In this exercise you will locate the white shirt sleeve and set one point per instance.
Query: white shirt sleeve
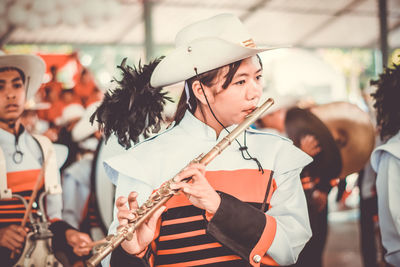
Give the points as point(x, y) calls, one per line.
point(393, 173)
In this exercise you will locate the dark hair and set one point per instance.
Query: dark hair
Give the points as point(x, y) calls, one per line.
point(387, 103)
point(53, 68)
point(21, 73)
point(208, 79)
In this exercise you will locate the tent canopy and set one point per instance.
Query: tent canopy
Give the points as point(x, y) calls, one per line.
point(301, 23)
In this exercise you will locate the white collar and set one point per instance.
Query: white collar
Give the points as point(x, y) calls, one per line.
point(9, 138)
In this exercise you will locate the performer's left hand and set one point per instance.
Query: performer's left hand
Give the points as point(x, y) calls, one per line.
point(78, 241)
point(199, 192)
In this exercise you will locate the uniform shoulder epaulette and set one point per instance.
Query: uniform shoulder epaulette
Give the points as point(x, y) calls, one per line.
point(260, 132)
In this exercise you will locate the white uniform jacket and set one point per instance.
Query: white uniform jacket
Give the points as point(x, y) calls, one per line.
point(275, 237)
point(32, 159)
point(385, 160)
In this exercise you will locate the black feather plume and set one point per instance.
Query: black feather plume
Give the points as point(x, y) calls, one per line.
point(134, 107)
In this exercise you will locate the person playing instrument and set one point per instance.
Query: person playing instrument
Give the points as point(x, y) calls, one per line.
point(385, 160)
point(21, 161)
point(248, 207)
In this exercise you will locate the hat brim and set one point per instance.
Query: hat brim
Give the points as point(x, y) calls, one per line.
point(32, 66)
point(204, 54)
point(328, 163)
point(31, 104)
point(84, 128)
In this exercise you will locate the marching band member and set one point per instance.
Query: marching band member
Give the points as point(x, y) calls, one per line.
point(22, 157)
point(248, 207)
point(385, 161)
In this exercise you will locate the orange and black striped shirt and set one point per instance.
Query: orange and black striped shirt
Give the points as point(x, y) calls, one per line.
point(21, 183)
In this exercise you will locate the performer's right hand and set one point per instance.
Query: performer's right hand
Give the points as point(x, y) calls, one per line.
point(144, 234)
point(13, 237)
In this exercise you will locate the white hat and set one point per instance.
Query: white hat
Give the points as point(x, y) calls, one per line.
point(71, 112)
point(31, 104)
point(32, 66)
point(205, 45)
point(84, 128)
point(90, 143)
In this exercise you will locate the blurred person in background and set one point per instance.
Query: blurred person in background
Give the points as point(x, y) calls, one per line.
point(85, 87)
point(370, 246)
point(76, 178)
point(273, 121)
point(370, 239)
point(309, 133)
point(23, 158)
point(385, 160)
point(94, 97)
point(306, 130)
point(71, 114)
point(50, 93)
point(30, 118)
point(346, 137)
point(56, 116)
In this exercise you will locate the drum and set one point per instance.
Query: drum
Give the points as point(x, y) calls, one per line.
point(37, 252)
point(37, 248)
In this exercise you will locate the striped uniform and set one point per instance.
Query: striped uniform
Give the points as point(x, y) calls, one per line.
point(21, 178)
point(239, 233)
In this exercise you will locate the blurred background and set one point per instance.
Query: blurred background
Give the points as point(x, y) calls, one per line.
point(337, 47)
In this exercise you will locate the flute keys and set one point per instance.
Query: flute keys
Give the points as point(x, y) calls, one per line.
point(156, 196)
point(149, 204)
point(129, 236)
point(140, 211)
point(164, 191)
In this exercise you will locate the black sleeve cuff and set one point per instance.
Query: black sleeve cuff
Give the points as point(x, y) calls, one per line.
point(59, 241)
point(120, 258)
point(237, 225)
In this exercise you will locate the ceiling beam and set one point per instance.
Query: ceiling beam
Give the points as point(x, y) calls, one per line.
point(346, 9)
point(383, 31)
point(375, 42)
point(148, 29)
point(123, 31)
point(6, 36)
point(252, 9)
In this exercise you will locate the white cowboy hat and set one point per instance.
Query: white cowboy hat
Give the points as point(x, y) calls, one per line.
point(204, 46)
point(31, 104)
point(84, 128)
point(90, 144)
point(70, 113)
point(32, 66)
